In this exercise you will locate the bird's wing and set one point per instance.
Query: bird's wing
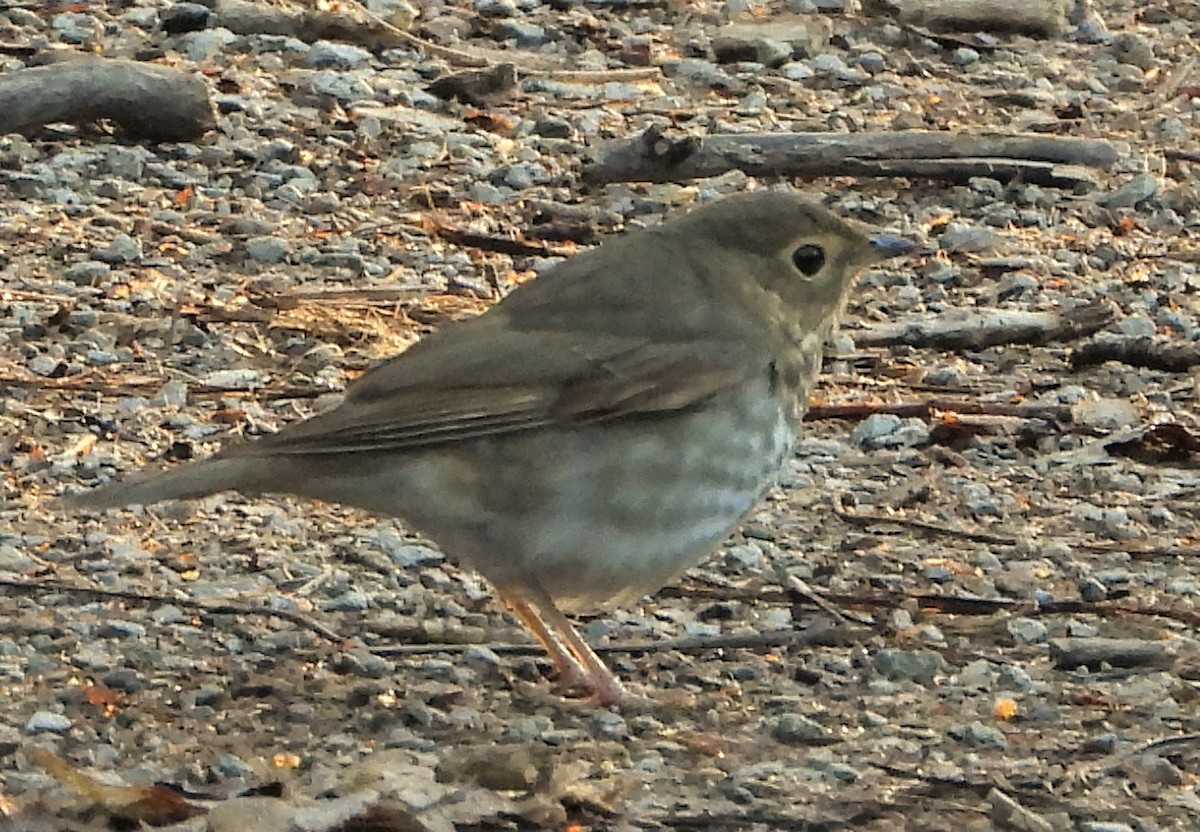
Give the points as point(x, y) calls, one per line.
point(489, 379)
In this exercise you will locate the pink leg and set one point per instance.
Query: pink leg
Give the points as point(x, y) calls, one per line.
point(575, 660)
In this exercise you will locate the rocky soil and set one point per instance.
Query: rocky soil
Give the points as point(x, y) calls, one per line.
point(999, 526)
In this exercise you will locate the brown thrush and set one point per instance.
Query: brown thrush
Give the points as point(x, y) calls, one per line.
point(593, 435)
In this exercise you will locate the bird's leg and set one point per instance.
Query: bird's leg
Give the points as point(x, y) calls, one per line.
point(571, 674)
point(566, 647)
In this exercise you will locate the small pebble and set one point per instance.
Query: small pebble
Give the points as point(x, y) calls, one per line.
point(45, 722)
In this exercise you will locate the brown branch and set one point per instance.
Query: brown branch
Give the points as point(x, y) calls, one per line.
point(499, 245)
point(975, 329)
point(656, 156)
point(1145, 351)
point(930, 407)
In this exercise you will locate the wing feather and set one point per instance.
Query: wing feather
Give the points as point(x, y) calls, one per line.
point(567, 349)
point(628, 378)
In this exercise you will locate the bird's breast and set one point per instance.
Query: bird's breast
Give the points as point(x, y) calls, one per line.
point(633, 504)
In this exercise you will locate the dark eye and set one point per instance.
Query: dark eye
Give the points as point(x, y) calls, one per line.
point(809, 259)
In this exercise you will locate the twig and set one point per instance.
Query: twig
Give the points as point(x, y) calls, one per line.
point(927, 408)
point(221, 608)
point(602, 76)
point(690, 644)
point(809, 594)
point(1172, 356)
point(860, 519)
point(974, 329)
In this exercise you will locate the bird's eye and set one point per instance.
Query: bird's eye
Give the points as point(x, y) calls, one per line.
point(808, 259)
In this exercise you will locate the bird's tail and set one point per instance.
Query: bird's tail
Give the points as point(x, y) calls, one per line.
point(187, 482)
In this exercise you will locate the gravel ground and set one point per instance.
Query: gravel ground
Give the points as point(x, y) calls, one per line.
point(1009, 632)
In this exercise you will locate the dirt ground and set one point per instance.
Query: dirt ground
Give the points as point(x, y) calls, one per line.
point(997, 523)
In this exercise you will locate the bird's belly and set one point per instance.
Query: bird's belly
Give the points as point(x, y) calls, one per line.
point(597, 515)
point(634, 505)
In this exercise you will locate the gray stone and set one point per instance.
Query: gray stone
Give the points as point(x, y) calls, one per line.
point(495, 8)
point(699, 71)
point(1131, 193)
point(122, 629)
point(399, 13)
point(124, 679)
point(199, 46)
point(243, 378)
point(185, 17)
point(979, 735)
point(45, 722)
point(525, 34)
point(73, 27)
point(326, 54)
point(1134, 49)
point(968, 239)
point(964, 56)
point(606, 725)
point(88, 273)
point(919, 666)
point(875, 428)
point(1027, 630)
point(343, 87)
point(268, 250)
point(797, 71)
point(351, 601)
point(233, 766)
point(872, 61)
point(485, 193)
point(46, 366)
point(122, 249)
point(1007, 813)
point(552, 127)
point(798, 729)
point(1013, 677)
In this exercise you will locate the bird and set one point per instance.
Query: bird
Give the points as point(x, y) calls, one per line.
point(601, 429)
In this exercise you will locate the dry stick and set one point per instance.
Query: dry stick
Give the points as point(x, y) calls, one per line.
point(655, 156)
point(860, 519)
point(147, 101)
point(500, 245)
point(928, 407)
point(822, 636)
point(603, 76)
point(224, 608)
point(150, 385)
point(972, 329)
point(1154, 353)
point(863, 519)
